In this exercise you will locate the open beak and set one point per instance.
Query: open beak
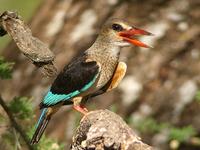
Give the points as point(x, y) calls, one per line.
point(128, 35)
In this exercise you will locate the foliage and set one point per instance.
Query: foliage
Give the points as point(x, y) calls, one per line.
point(45, 143)
point(149, 125)
point(198, 96)
point(21, 108)
point(5, 68)
point(180, 134)
point(10, 139)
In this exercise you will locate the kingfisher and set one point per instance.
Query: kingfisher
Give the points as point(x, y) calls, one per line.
point(96, 71)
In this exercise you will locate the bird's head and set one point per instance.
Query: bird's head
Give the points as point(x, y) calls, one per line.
point(121, 33)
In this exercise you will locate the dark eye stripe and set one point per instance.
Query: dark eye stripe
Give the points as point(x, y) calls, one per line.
point(117, 27)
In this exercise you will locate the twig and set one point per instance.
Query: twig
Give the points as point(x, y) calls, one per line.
point(15, 124)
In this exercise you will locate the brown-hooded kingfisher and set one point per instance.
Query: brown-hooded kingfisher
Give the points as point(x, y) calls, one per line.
point(94, 72)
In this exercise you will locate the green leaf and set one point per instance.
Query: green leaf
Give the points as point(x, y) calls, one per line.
point(5, 68)
point(182, 134)
point(198, 96)
point(150, 125)
point(8, 138)
point(22, 108)
point(2, 118)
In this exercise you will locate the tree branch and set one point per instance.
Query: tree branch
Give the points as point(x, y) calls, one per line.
point(15, 124)
point(30, 46)
point(103, 129)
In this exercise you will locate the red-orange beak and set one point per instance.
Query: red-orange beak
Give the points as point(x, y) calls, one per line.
point(128, 35)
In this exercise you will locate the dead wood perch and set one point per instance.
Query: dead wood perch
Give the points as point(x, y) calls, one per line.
point(30, 46)
point(104, 130)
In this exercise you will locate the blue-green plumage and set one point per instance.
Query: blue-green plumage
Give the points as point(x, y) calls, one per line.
point(77, 77)
point(41, 125)
point(52, 99)
point(42, 115)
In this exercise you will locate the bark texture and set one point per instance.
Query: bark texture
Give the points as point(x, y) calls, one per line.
point(30, 46)
point(102, 129)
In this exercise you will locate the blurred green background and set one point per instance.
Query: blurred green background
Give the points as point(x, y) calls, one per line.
point(23, 7)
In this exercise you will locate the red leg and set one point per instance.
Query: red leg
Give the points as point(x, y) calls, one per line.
point(84, 108)
point(81, 109)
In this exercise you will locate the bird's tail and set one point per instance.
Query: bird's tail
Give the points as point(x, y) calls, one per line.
point(41, 126)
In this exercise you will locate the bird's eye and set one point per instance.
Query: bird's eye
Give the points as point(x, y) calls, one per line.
point(117, 27)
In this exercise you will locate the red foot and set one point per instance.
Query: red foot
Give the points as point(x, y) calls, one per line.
point(81, 109)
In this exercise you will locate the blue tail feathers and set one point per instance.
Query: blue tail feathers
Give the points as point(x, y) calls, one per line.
point(42, 115)
point(41, 126)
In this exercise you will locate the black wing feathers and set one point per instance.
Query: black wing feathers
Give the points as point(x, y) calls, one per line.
point(75, 76)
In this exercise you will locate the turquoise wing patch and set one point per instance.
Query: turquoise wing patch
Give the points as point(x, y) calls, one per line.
point(52, 99)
